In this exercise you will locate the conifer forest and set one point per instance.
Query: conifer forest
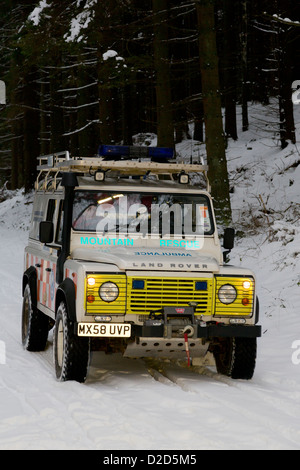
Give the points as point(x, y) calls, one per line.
point(79, 73)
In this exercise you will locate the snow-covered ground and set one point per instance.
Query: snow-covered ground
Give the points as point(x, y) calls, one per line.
point(130, 404)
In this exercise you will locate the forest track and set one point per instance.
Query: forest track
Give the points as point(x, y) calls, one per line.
point(185, 378)
point(179, 374)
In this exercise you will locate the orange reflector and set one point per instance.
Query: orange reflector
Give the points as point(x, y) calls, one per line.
point(245, 301)
point(90, 299)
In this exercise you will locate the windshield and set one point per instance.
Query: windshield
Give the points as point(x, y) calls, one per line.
point(142, 213)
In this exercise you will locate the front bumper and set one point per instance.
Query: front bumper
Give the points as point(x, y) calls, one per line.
point(206, 332)
point(164, 340)
point(153, 341)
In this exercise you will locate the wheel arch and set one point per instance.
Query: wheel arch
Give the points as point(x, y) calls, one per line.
point(256, 310)
point(30, 278)
point(66, 292)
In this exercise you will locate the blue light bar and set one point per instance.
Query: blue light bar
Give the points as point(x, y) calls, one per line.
point(113, 150)
point(161, 152)
point(132, 151)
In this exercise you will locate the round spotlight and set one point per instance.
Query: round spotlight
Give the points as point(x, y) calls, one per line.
point(109, 291)
point(227, 294)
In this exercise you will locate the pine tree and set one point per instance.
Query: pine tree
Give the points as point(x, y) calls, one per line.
point(244, 13)
point(165, 127)
point(215, 142)
point(229, 65)
point(284, 56)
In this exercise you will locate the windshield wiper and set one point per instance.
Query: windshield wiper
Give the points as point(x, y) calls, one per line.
point(116, 228)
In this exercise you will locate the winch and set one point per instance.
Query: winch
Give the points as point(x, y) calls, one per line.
point(178, 341)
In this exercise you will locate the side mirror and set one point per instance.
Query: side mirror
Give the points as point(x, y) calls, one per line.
point(228, 242)
point(46, 232)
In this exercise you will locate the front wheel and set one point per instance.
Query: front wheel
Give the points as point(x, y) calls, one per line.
point(236, 357)
point(71, 353)
point(35, 325)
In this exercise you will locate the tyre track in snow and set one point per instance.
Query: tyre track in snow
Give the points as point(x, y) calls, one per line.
point(246, 386)
point(39, 402)
point(184, 378)
point(187, 380)
point(26, 374)
point(270, 417)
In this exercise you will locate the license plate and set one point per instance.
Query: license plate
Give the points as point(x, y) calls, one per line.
point(108, 330)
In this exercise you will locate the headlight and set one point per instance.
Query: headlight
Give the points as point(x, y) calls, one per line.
point(227, 294)
point(109, 291)
point(247, 284)
point(91, 281)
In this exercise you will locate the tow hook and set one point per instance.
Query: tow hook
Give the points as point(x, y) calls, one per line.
point(188, 332)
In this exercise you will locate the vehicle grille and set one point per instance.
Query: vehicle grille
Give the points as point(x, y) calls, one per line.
point(164, 292)
point(98, 306)
point(235, 308)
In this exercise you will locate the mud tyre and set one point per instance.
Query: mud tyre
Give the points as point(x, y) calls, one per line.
point(35, 325)
point(236, 357)
point(71, 353)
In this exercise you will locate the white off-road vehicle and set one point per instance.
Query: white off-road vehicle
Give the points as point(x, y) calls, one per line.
point(124, 256)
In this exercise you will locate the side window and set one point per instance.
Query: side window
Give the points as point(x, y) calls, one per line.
point(50, 210)
point(37, 217)
point(58, 237)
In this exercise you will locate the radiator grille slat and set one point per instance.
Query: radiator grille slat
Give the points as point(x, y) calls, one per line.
point(158, 293)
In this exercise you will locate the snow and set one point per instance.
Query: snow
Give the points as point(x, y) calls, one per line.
point(286, 20)
point(36, 13)
point(80, 22)
point(109, 54)
point(131, 404)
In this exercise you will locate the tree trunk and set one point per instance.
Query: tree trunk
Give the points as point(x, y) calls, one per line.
point(57, 140)
point(285, 78)
point(86, 114)
point(105, 17)
point(215, 142)
point(31, 146)
point(15, 118)
point(165, 130)
point(244, 64)
point(45, 130)
point(230, 67)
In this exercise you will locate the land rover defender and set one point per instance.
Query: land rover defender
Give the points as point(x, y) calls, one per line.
point(124, 256)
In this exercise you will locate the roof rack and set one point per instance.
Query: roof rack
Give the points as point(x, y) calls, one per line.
point(49, 166)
